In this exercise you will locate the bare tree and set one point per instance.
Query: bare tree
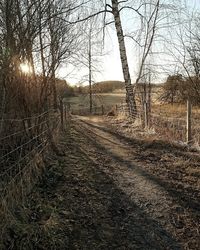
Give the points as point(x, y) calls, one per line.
point(184, 49)
point(148, 27)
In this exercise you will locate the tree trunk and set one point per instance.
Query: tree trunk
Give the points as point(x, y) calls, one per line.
point(90, 72)
point(55, 104)
point(130, 98)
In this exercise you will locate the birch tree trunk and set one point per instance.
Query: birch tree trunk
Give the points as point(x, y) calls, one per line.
point(130, 98)
point(90, 69)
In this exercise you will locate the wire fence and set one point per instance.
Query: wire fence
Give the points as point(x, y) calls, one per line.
point(173, 128)
point(169, 126)
point(23, 143)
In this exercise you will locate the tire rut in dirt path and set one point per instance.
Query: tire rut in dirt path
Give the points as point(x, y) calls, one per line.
point(95, 197)
point(122, 224)
point(89, 211)
point(143, 189)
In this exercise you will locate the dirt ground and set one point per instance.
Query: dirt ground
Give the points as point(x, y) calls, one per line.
point(112, 191)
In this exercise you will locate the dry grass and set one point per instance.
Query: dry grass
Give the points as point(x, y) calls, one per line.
point(170, 110)
point(106, 99)
point(170, 122)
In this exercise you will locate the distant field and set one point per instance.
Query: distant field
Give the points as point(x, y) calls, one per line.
point(106, 99)
point(168, 120)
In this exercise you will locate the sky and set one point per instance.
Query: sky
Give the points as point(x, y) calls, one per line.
point(110, 66)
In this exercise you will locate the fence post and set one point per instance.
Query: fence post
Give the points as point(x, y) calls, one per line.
point(146, 114)
point(68, 108)
point(61, 113)
point(102, 109)
point(189, 121)
point(65, 107)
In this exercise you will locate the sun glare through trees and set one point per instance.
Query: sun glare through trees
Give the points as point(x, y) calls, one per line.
point(25, 68)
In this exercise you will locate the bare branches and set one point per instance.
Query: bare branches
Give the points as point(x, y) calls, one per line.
point(149, 37)
point(131, 8)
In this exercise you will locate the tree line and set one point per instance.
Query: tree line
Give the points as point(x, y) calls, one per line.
point(43, 35)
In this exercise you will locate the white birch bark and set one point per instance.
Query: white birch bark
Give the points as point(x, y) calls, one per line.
point(130, 98)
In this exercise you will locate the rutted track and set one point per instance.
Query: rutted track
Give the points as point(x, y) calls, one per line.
point(120, 160)
point(109, 192)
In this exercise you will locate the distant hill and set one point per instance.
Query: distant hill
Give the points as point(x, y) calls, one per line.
point(108, 87)
point(105, 86)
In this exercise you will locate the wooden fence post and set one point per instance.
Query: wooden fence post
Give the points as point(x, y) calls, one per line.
point(68, 108)
point(146, 123)
point(102, 109)
point(189, 121)
point(65, 107)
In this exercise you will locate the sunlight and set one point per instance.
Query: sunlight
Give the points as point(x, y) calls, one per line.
point(25, 68)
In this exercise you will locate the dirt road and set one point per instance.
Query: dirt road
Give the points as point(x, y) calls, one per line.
point(112, 192)
point(165, 195)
